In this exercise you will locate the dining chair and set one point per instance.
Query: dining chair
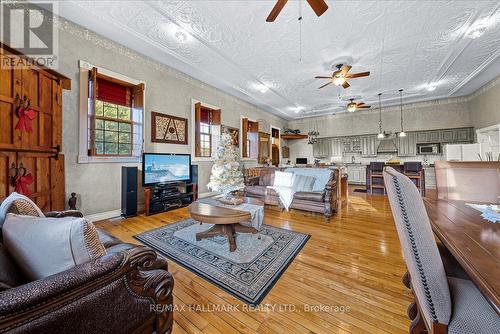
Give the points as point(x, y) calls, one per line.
point(413, 169)
point(376, 174)
point(442, 304)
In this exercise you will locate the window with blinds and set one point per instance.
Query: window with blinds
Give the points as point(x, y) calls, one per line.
point(115, 116)
point(207, 130)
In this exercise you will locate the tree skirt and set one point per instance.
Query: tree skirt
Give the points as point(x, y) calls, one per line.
point(248, 273)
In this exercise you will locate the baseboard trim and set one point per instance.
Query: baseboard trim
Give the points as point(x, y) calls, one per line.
point(104, 215)
point(207, 194)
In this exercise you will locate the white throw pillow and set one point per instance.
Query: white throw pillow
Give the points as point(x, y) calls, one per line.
point(46, 246)
point(283, 179)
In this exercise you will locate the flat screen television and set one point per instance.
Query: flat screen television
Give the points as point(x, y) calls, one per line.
point(165, 167)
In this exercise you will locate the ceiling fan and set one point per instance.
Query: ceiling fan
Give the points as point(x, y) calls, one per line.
point(353, 106)
point(319, 7)
point(340, 76)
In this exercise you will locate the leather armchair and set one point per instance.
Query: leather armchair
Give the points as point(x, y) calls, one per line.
point(129, 290)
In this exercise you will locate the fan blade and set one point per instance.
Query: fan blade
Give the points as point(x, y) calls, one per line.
point(346, 85)
point(360, 104)
point(358, 75)
point(276, 10)
point(344, 69)
point(364, 107)
point(319, 6)
point(325, 85)
point(323, 77)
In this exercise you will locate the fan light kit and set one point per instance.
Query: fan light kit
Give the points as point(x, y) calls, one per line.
point(353, 106)
point(340, 76)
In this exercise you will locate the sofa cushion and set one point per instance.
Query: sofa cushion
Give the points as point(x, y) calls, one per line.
point(18, 204)
point(315, 196)
point(45, 246)
point(322, 176)
point(107, 239)
point(266, 177)
point(10, 274)
point(256, 190)
point(303, 183)
point(283, 179)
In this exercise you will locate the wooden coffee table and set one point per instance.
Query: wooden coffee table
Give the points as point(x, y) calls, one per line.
point(226, 221)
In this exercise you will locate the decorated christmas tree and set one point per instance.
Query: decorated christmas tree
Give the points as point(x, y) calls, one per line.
point(226, 174)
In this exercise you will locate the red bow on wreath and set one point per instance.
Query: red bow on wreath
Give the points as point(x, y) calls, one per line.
point(22, 183)
point(26, 115)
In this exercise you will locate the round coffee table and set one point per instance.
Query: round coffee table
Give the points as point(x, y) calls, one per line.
point(226, 221)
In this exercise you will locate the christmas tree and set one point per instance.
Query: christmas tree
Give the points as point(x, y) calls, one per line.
point(226, 174)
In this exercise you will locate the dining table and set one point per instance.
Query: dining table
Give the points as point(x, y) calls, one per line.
point(472, 240)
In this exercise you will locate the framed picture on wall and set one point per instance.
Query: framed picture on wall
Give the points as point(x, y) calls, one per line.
point(234, 132)
point(168, 129)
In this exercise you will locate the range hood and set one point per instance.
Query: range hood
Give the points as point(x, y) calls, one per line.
point(387, 145)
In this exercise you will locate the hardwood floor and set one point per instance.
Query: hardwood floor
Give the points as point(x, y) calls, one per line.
point(354, 261)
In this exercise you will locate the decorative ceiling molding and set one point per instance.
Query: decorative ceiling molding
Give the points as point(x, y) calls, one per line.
point(425, 43)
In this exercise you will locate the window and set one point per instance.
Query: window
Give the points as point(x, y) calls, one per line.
point(207, 129)
point(115, 112)
point(250, 139)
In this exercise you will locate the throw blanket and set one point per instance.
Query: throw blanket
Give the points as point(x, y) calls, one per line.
point(285, 195)
point(322, 176)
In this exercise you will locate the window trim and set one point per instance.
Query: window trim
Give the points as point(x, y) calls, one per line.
point(194, 158)
point(241, 138)
point(83, 156)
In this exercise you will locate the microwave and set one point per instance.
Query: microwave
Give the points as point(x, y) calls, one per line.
point(429, 148)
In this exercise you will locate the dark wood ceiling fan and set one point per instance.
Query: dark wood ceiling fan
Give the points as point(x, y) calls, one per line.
point(353, 106)
point(340, 76)
point(319, 7)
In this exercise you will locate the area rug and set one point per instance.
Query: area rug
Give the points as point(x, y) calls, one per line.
point(248, 273)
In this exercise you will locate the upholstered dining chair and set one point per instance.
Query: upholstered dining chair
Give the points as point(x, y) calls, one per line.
point(442, 304)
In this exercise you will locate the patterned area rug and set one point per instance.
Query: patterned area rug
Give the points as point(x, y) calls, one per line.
point(248, 273)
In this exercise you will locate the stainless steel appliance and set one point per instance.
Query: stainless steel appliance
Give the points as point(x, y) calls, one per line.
point(429, 148)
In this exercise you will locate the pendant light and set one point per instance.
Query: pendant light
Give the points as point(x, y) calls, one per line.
point(402, 133)
point(380, 132)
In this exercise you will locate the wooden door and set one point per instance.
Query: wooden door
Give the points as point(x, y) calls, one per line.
point(47, 174)
point(10, 87)
point(43, 93)
point(7, 159)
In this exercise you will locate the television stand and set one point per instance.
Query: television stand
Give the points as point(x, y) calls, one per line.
point(169, 196)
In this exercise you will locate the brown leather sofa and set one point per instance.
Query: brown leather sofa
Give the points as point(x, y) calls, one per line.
point(129, 290)
point(325, 202)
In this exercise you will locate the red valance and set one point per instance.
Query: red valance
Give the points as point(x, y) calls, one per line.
point(112, 92)
point(205, 116)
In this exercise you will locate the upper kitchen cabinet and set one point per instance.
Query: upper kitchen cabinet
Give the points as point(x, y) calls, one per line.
point(445, 136)
point(369, 146)
point(407, 146)
point(322, 148)
point(337, 147)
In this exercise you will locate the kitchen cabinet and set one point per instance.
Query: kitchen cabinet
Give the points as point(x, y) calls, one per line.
point(446, 136)
point(351, 144)
point(463, 135)
point(407, 146)
point(430, 177)
point(369, 146)
point(321, 148)
point(337, 147)
point(356, 174)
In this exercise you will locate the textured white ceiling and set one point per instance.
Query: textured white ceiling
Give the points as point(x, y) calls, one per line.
point(404, 44)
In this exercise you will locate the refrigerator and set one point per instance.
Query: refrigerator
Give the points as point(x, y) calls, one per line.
point(462, 152)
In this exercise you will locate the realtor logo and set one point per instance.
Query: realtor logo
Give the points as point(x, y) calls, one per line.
point(29, 28)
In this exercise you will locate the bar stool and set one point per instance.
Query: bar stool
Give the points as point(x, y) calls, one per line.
point(413, 170)
point(377, 173)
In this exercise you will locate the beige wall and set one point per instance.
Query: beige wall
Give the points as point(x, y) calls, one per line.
point(167, 91)
point(485, 105)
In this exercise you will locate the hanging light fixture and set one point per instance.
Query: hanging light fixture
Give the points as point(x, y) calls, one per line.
point(402, 133)
point(381, 134)
point(351, 106)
